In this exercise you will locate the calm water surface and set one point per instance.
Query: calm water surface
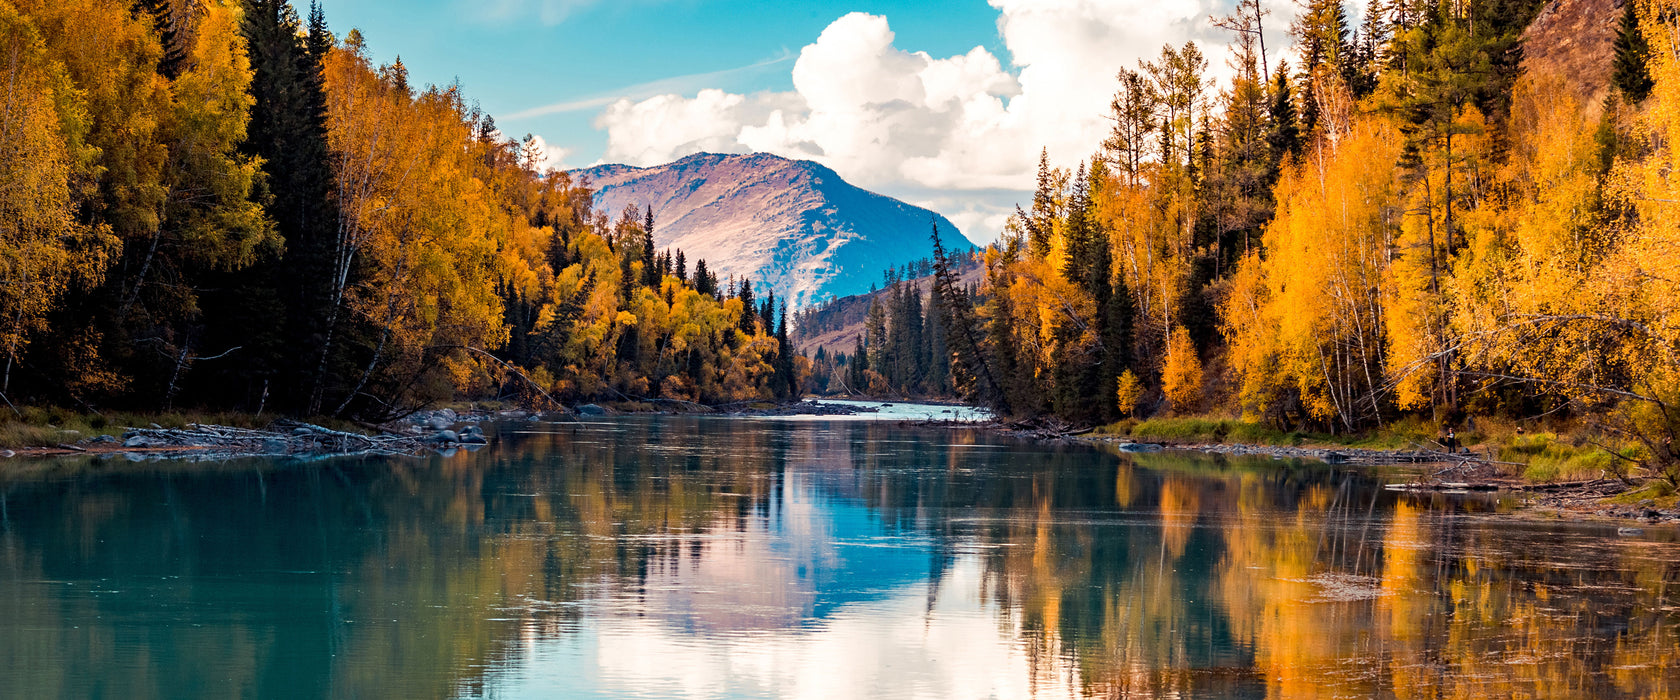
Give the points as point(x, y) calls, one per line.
point(731, 558)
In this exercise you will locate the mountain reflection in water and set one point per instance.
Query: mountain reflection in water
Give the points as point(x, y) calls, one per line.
point(723, 558)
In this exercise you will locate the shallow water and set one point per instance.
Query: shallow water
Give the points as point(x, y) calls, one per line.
point(732, 558)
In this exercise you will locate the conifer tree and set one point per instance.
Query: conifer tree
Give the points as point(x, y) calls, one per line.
point(749, 312)
point(1285, 138)
point(1632, 76)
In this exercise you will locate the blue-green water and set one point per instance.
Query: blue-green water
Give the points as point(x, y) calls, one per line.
point(734, 558)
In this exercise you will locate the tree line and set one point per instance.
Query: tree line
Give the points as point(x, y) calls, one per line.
point(1404, 223)
point(218, 203)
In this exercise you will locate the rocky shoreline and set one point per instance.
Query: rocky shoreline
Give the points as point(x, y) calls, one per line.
point(446, 431)
point(1447, 473)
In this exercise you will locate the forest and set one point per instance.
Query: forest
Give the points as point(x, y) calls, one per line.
point(1405, 224)
point(219, 204)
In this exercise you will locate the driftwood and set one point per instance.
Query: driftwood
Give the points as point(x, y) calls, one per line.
point(280, 439)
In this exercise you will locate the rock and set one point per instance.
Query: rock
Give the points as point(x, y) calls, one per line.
point(274, 446)
point(302, 432)
point(102, 440)
point(474, 440)
point(7, 454)
point(138, 441)
point(590, 409)
point(472, 430)
point(156, 426)
point(447, 413)
point(437, 423)
point(1630, 532)
point(1139, 447)
point(446, 436)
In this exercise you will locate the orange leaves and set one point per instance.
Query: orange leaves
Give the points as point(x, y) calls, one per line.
point(1307, 321)
point(1181, 378)
point(44, 250)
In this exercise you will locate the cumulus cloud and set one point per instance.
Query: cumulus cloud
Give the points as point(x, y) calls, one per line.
point(904, 122)
point(546, 157)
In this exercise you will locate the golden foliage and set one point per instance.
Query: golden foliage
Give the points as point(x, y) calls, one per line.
point(1181, 379)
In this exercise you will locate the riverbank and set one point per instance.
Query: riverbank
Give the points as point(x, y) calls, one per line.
point(1558, 467)
point(34, 432)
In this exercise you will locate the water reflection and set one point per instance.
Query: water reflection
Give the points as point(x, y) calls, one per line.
point(715, 558)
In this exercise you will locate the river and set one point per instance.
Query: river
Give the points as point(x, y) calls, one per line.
point(695, 557)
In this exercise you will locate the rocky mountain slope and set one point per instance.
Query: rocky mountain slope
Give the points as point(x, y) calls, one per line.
point(795, 225)
point(1575, 40)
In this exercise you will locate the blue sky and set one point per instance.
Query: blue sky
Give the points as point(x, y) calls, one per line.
point(518, 56)
point(942, 104)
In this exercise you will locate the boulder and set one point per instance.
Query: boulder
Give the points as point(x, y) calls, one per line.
point(590, 409)
point(474, 440)
point(437, 423)
point(446, 436)
point(138, 441)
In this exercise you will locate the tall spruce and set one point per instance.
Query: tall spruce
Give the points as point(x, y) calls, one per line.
point(1632, 76)
point(288, 131)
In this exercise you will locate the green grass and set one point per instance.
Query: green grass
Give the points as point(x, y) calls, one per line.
point(1550, 459)
point(1657, 490)
point(1194, 429)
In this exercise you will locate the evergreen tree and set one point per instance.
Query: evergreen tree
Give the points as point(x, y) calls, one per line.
point(1285, 138)
point(876, 328)
point(972, 373)
point(786, 382)
point(650, 267)
point(704, 281)
point(856, 377)
point(681, 267)
point(1040, 223)
point(1632, 75)
point(288, 130)
point(749, 313)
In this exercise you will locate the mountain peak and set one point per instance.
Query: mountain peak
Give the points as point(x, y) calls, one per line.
point(793, 224)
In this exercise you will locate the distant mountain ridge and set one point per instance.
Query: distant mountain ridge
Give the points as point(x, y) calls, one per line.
point(793, 224)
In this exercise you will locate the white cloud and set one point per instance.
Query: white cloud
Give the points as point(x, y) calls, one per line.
point(900, 121)
point(549, 158)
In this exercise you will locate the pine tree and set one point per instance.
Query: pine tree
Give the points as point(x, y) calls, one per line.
point(704, 282)
point(1039, 224)
point(749, 312)
point(786, 381)
point(856, 377)
point(650, 266)
point(288, 131)
point(1633, 54)
point(972, 373)
point(1285, 138)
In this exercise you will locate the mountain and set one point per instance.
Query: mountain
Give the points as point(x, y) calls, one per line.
point(793, 224)
point(1575, 40)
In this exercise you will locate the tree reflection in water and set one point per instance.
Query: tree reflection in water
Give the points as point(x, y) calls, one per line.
point(684, 557)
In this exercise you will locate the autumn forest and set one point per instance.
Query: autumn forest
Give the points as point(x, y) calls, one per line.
point(221, 204)
point(1406, 224)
